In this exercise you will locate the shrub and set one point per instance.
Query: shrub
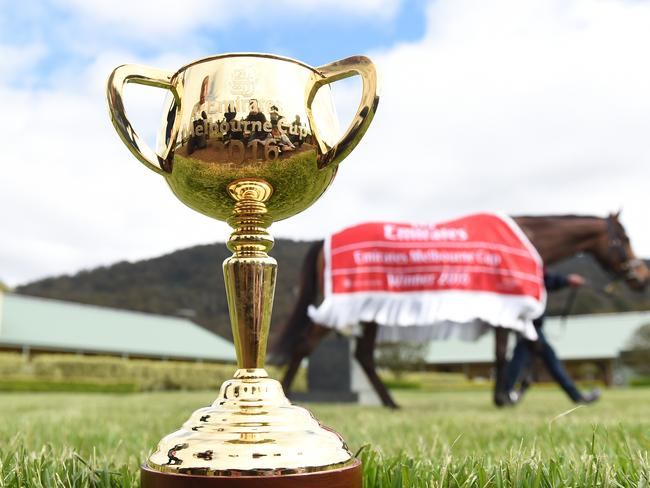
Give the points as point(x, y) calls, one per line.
point(77, 385)
point(640, 381)
point(65, 370)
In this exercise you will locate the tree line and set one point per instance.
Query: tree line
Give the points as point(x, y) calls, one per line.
point(189, 283)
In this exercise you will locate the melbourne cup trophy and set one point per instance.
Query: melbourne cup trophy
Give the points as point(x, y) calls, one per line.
point(249, 139)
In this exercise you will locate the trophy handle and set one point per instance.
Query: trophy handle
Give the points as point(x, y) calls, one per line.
point(338, 70)
point(142, 75)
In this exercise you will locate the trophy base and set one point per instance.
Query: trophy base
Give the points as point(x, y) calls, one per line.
point(250, 430)
point(347, 477)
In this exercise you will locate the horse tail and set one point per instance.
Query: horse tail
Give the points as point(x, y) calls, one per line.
point(292, 332)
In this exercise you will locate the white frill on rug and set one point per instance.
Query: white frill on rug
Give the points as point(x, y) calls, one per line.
point(427, 316)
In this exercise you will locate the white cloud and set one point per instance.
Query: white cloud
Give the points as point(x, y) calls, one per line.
point(18, 59)
point(521, 107)
point(71, 195)
point(156, 19)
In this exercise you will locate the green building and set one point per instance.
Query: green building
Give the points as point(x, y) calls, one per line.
point(38, 325)
point(590, 346)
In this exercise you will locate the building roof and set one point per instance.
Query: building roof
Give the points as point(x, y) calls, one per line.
point(597, 336)
point(43, 323)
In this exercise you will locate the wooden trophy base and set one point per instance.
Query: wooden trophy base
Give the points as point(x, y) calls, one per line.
point(348, 477)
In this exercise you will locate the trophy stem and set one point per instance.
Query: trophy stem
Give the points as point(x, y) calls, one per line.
point(250, 275)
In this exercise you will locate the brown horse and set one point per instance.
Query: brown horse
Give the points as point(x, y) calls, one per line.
point(554, 237)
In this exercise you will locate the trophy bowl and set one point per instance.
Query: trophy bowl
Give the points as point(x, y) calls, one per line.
point(249, 139)
point(242, 116)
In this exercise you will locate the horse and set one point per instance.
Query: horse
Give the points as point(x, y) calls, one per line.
point(554, 237)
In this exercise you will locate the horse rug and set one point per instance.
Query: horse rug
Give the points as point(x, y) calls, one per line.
point(429, 282)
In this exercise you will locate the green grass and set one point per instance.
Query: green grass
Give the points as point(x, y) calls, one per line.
point(437, 439)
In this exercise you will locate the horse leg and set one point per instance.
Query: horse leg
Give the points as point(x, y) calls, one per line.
point(365, 354)
point(500, 364)
point(313, 337)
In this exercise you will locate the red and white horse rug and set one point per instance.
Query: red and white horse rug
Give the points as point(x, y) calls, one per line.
point(429, 282)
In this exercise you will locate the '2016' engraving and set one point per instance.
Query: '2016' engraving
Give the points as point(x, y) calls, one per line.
point(236, 150)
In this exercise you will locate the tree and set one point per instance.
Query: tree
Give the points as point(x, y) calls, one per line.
point(400, 357)
point(638, 354)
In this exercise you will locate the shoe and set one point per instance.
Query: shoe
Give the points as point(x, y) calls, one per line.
point(514, 397)
point(591, 397)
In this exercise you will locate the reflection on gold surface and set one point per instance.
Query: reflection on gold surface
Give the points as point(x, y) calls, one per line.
point(237, 116)
point(249, 139)
point(250, 429)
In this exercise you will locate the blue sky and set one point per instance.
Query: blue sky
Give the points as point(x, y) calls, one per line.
point(316, 37)
point(535, 107)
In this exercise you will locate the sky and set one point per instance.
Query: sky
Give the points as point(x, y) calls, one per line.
point(521, 107)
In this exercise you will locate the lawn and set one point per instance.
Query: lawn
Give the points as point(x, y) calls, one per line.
point(437, 439)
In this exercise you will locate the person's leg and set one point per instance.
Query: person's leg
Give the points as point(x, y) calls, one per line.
point(556, 369)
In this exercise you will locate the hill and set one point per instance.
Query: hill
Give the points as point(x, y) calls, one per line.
point(189, 282)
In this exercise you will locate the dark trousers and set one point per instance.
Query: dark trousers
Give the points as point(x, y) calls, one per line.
point(522, 358)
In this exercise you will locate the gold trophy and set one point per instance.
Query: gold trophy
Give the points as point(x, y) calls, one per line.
point(249, 139)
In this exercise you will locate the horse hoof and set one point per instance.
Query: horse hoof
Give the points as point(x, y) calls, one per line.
point(501, 400)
